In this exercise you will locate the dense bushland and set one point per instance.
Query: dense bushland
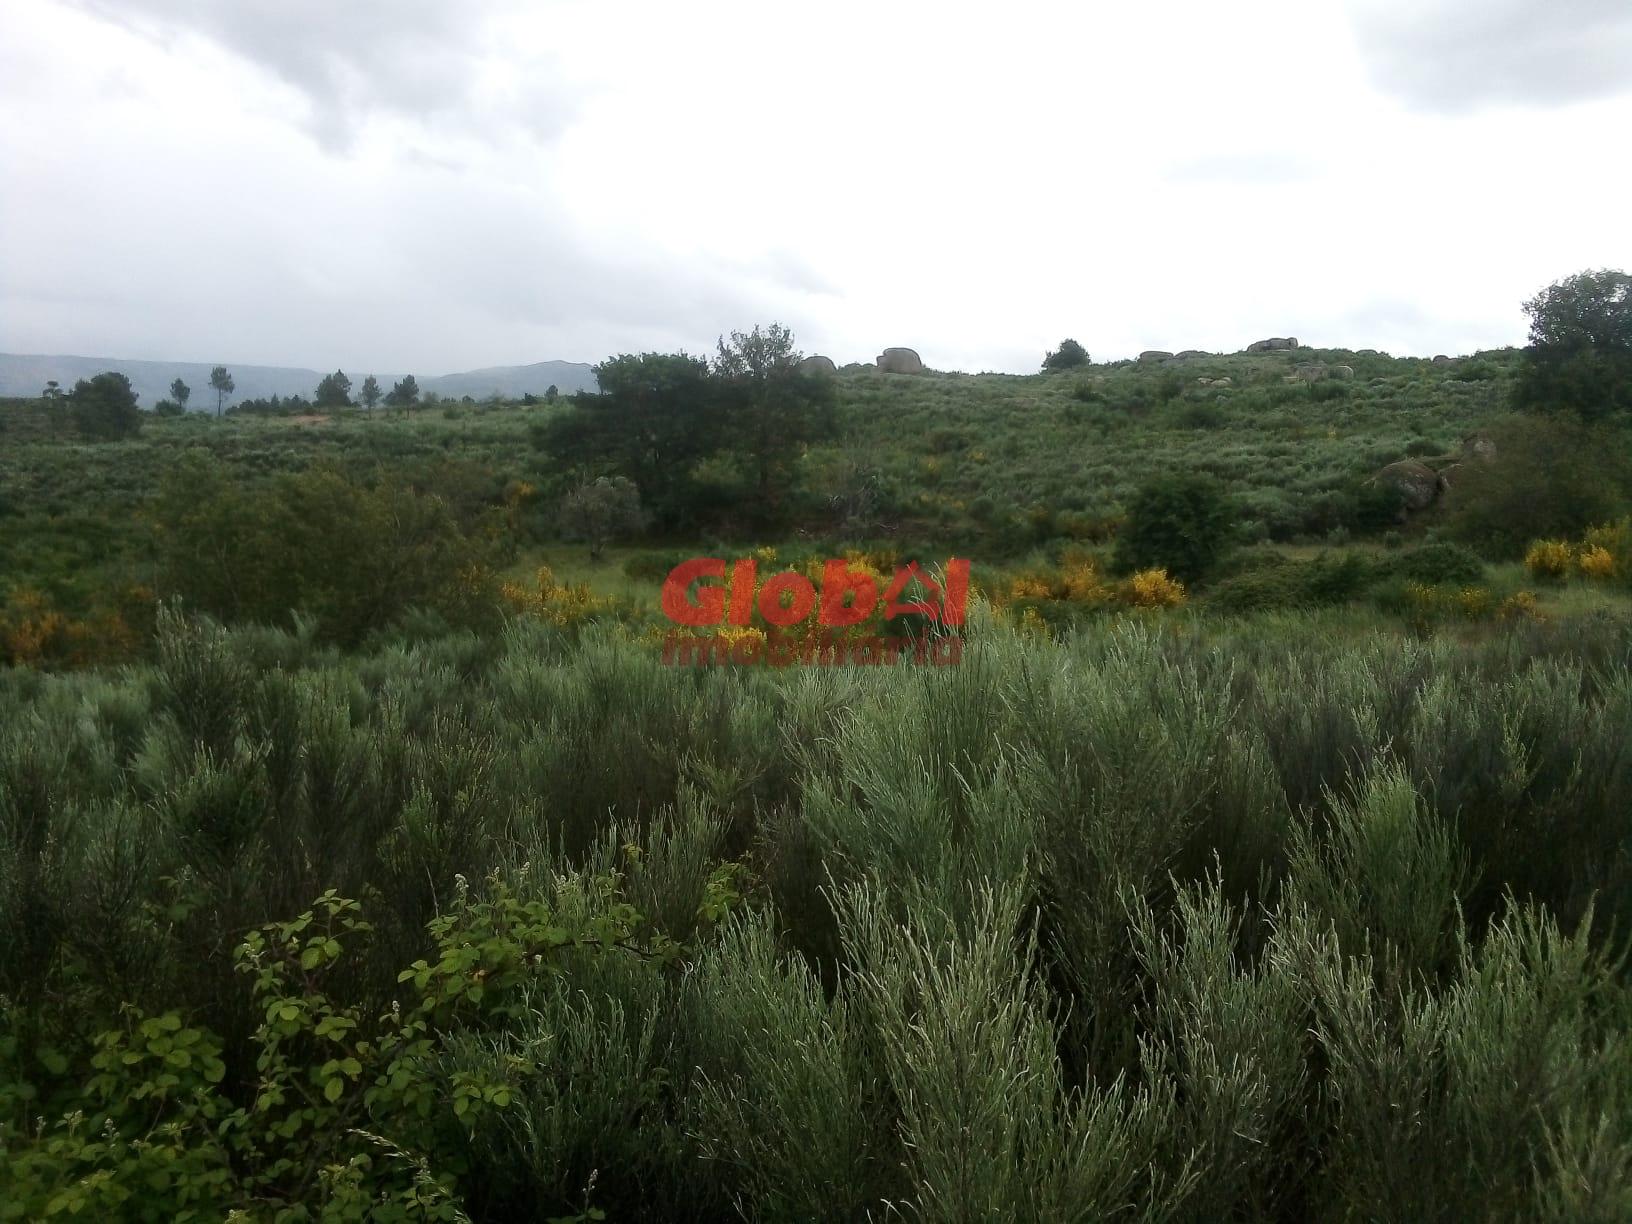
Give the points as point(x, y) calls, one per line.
point(985, 465)
point(1263, 919)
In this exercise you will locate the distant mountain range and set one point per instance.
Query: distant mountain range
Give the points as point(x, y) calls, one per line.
point(27, 376)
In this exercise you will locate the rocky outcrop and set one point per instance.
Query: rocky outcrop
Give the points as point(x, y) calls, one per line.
point(1213, 382)
point(900, 361)
point(1190, 355)
point(817, 364)
point(1318, 371)
point(1153, 355)
point(1275, 344)
point(1417, 484)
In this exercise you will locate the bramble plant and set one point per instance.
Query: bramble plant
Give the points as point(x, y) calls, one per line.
point(340, 1102)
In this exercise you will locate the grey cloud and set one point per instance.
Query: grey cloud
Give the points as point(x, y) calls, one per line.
point(422, 60)
point(1455, 56)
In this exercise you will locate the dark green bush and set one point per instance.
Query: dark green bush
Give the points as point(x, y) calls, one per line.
point(1436, 564)
point(1202, 416)
point(1177, 523)
point(1551, 478)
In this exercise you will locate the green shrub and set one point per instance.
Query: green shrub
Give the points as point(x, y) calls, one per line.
point(1436, 564)
point(1202, 416)
point(1551, 478)
point(1178, 523)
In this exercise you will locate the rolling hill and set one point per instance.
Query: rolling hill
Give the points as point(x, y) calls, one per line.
point(23, 375)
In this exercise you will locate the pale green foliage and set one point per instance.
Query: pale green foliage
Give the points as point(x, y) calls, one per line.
point(1268, 922)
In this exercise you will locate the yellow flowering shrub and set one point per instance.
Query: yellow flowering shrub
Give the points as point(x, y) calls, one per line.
point(1031, 586)
point(1613, 538)
point(1549, 559)
point(559, 603)
point(1153, 588)
point(1474, 603)
point(31, 629)
point(1520, 606)
point(1427, 605)
point(1077, 581)
point(35, 633)
point(734, 635)
point(1596, 562)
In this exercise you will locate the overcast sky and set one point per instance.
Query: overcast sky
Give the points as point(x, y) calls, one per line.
point(434, 186)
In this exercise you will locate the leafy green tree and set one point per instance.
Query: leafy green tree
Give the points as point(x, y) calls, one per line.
point(53, 390)
point(1580, 354)
point(1549, 478)
point(774, 410)
point(552, 393)
point(179, 392)
point(334, 391)
point(404, 394)
point(600, 511)
point(655, 418)
point(1176, 523)
point(221, 383)
point(105, 407)
point(1067, 356)
point(370, 394)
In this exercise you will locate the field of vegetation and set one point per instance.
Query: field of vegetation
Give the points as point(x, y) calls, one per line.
point(1265, 856)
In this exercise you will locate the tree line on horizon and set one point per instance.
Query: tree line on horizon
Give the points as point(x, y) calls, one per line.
point(1578, 360)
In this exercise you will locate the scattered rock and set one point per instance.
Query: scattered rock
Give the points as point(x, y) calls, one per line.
point(1478, 446)
point(1311, 371)
point(817, 364)
point(1274, 344)
point(1222, 382)
point(1418, 484)
point(900, 361)
point(1150, 355)
point(1340, 371)
point(1447, 476)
